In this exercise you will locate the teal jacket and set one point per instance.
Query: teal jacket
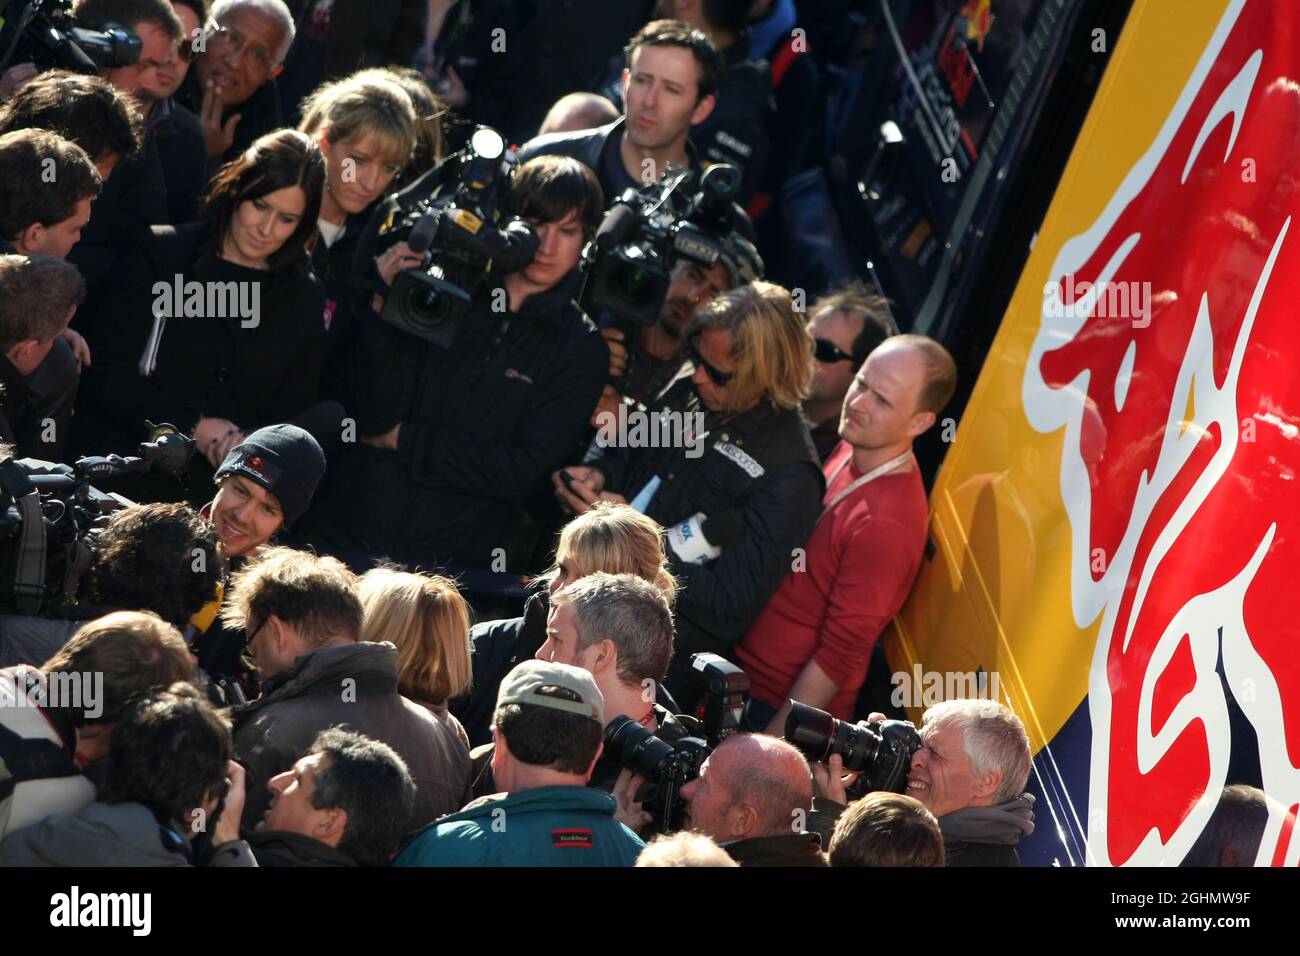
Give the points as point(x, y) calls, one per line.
point(549, 826)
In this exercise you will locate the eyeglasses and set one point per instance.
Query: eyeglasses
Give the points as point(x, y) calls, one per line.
point(229, 36)
point(716, 375)
point(827, 351)
point(246, 653)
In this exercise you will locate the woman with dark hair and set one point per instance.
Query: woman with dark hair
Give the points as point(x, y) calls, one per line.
point(217, 326)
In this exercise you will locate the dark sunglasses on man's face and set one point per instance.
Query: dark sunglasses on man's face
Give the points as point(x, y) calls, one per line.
point(827, 351)
point(716, 375)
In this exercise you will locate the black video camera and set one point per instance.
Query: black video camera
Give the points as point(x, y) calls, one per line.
point(456, 230)
point(628, 265)
point(50, 516)
point(44, 32)
point(882, 752)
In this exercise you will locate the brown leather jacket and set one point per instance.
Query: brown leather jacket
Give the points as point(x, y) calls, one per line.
point(355, 685)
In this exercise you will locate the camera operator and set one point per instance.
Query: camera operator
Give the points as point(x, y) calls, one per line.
point(751, 365)
point(231, 87)
point(160, 558)
point(618, 628)
point(366, 131)
point(646, 361)
point(303, 618)
point(609, 537)
point(232, 362)
point(264, 486)
point(669, 84)
point(753, 797)
point(457, 439)
point(547, 733)
point(813, 640)
point(47, 185)
point(170, 777)
point(970, 773)
point(38, 297)
point(346, 803)
point(131, 651)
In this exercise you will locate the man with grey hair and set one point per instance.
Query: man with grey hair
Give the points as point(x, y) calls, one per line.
point(970, 773)
point(232, 85)
point(618, 628)
point(753, 797)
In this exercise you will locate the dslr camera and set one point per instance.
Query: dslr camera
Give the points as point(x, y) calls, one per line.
point(454, 226)
point(881, 752)
point(627, 267)
point(45, 33)
point(51, 515)
point(668, 766)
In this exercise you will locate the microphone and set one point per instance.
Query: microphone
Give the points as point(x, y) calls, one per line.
point(616, 227)
point(699, 540)
point(422, 233)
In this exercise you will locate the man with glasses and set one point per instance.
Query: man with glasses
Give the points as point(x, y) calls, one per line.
point(846, 325)
point(231, 87)
point(814, 639)
point(752, 468)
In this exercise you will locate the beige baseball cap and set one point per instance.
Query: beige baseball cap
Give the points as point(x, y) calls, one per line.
point(527, 684)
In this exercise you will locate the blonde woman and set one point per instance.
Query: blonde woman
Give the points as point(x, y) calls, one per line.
point(609, 537)
point(427, 620)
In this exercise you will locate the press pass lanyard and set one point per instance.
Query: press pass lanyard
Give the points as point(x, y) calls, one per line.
point(872, 475)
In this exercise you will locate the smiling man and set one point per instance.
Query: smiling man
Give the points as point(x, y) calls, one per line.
point(346, 803)
point(668, 86)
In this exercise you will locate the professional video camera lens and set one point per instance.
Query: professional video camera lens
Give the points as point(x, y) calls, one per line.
point(636, 748)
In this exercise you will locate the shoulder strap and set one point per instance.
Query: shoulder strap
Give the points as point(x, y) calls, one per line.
point(782, 61)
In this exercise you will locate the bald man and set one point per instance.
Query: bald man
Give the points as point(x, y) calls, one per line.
point(753, 797)
point(578, 111)
point(813, 640)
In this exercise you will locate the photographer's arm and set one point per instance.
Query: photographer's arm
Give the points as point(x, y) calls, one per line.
point(812, 687)
point(723, 598)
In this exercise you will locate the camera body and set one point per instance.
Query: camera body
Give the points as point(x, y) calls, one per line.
point(628, 266)
point(44, 32)
point(882, 752)
point(454, 228)
point(50, 516)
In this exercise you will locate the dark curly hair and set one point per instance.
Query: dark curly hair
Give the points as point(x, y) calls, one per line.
point(366, 778)
point(160, 557)
point(87, 110)
point(169, 751)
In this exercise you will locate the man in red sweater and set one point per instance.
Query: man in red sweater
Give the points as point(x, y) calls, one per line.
point(813, 640)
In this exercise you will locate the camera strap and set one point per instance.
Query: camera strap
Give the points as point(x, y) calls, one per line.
point(29, 557)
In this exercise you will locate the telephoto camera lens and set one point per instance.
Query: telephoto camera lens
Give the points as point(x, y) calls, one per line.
point(636, 748)
point(881, 752)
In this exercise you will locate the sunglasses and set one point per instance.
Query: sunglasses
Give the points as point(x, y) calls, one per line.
point(716, 375)
point(827, 351)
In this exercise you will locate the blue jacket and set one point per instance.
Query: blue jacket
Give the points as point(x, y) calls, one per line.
point(549, 826)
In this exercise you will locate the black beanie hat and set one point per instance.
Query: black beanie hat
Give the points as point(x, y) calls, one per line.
point(283, 459)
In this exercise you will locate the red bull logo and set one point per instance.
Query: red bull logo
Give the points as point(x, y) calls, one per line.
point(1182, 451)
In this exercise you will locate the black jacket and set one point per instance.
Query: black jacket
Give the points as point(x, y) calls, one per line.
point(334, 268)
point(183, 152)
point(17, 426)
point(206, 365)
point(761, 462)
point(284, 848)
point(972, 853)
point(736, 131)
point(798, 849)
point(484, 422)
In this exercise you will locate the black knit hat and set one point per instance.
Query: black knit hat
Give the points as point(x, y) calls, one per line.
point(283, 459)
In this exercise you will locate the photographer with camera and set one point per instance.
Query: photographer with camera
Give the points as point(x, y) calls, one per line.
point(751, 476)
point(547, 733)
point(669, 84)
point(618, 628)
point(753, 797)
point(114, 659)
point(813, 640)
point(461, 425)
point(171, 776)
point(216, 326)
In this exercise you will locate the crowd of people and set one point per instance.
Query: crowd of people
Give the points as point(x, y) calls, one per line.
point(274, 658)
